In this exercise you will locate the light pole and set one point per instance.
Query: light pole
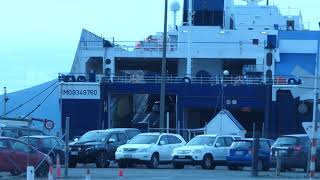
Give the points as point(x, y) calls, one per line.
point(189, 59)
point(5, 100)
point(314, 119)
point(163, 68)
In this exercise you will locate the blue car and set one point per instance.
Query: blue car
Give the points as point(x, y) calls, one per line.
point(240, 154)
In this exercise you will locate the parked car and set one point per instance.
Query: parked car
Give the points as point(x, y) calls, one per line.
point(50, 145)
point(240, 154)
point(151, 149)
point(14, 154)
point(205, 150)
point(18, 131)
point(99, 146)
point(294, 151)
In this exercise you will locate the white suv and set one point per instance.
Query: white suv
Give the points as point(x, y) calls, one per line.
point(205, 150)
point(151, 149)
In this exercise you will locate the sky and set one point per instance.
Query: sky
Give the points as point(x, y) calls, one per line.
point(38, 38)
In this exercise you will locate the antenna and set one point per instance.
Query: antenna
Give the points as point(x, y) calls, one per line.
point(175, 7)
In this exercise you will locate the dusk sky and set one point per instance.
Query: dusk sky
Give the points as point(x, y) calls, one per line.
point(38, 38)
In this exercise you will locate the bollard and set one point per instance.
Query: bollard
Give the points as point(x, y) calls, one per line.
point(58, 167)
point(278, 166)
point(120, 173)
point(30, 173)
point(88, 175)
point(255, 154)
point(50, 173)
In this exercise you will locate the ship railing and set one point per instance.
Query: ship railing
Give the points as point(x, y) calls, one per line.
point(128, 46)
point(173, 79)
point(232, 80)
point(80, 77)
point(146, 46)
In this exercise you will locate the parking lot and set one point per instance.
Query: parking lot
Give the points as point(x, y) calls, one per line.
point(166, 172)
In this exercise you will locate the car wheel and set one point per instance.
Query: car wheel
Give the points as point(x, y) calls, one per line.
point(265, 167)
point(238, 168)
point(154, 162)
point(178, 165)
point(122, 163)
point(43, 170)
point(15, 172)
point(131, 165)
point(101, 161)
point(207, 162)
point(231, 167)
point(259, 165)
point(72, 164)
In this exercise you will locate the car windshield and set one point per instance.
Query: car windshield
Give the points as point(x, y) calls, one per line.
point(201, 140)
point(25, 132)
point(241, 144)
point(10, 133)
point(93, 136)
point(35, 142)
point(144, 139)
point(286, 140)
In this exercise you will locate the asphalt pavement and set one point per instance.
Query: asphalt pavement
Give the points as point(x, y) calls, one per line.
point(167, 173)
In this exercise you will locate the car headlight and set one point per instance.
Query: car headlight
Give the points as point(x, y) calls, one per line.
point(197, 151)
point(144, 150)
point(174, 151)
point(119, 150)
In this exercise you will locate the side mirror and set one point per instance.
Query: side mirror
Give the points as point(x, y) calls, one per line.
point(162, 143)
point(128, 141)
point(76, 139)
point(111, 140)
point(218, 145)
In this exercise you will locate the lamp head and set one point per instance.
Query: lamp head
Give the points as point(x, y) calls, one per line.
point(225, 72)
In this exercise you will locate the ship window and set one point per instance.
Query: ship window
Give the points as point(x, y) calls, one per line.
point(255, 41)
point(108, 61)
point(207, 13)
point(269, 76)
point(107, 71)
point(290, 25)
point(95, 65)
point(269, 59)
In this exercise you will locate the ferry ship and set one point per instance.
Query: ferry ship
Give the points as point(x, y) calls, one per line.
point(253, 60)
